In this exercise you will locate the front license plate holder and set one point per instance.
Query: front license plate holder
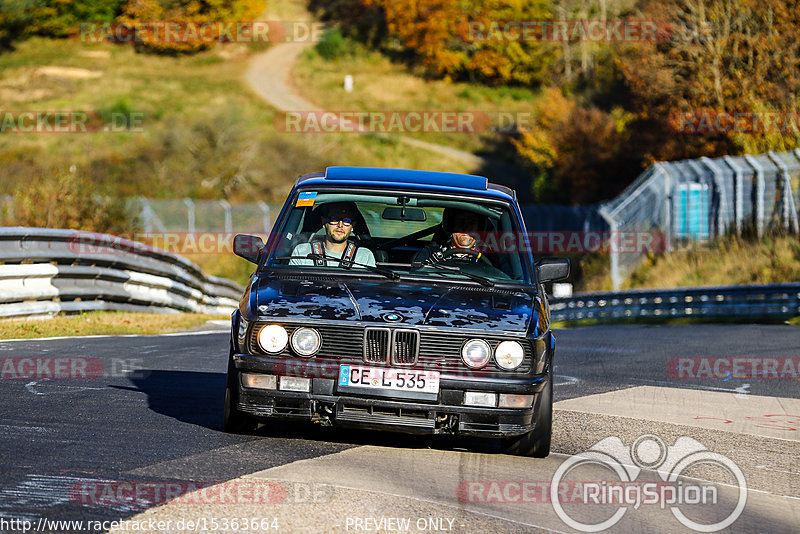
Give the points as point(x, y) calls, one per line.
point(388, 382)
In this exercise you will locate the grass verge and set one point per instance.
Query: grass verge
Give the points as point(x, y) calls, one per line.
point(381, 85)
point(99, 323)
point(728, 261)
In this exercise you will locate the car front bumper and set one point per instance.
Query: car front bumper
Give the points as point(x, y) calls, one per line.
point(395, 411)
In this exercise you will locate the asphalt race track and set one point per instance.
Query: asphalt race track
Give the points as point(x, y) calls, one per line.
point(129, 428)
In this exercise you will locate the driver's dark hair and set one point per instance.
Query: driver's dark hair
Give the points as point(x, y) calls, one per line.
point(449, 214)
point(326, 209)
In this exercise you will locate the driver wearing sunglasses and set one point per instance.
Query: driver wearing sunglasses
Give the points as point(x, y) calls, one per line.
point(338, 220)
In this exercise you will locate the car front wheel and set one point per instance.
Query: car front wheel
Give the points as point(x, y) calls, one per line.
point(536, 443)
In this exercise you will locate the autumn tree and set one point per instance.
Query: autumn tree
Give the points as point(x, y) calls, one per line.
point(722, 55)
point(22, 18)
point(187, 11)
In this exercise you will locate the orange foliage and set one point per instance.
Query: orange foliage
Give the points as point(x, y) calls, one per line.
point(187, 11)
point(727, 55)
point(441, 33)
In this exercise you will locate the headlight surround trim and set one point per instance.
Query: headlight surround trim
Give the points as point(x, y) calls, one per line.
point(273, 338)
point(469, 347)
point(295, 340)
point(509, 355)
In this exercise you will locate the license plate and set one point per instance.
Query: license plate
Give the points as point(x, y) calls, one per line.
point(355, 376)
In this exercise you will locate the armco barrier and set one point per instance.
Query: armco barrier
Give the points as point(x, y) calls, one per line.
point(752, 301)
point(46, 271)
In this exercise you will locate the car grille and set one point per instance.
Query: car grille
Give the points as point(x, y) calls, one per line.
point(399, 346)
point(432, 350)
point(376, 344)
point(406, 347)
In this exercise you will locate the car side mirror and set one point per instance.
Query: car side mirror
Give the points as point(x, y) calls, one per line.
point(552, 269)
point(248, 247)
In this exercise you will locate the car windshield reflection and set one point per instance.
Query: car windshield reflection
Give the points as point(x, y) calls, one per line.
point(420, 235)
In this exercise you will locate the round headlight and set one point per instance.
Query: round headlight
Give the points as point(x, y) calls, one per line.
point(475, 353)
point(508, 355)
point(273, 338)
point(306, 341)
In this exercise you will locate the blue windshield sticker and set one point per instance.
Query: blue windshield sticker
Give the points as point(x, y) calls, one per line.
point(306, 199)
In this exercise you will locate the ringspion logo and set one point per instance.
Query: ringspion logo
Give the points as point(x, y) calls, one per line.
point(626, 463)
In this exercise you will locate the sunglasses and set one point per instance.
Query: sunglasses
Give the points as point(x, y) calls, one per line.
point(334, 219)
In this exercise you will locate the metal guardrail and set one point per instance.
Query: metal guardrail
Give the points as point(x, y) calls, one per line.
point(751, 301)
point(45, 271)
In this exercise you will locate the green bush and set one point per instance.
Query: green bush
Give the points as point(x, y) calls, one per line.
point(67, 200)
point(332, 44)
point(20, 19)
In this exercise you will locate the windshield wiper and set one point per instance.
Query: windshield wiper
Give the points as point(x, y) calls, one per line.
point(388, 273)
point(453, 268)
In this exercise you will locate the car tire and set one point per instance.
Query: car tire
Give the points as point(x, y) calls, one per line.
point(234, 421)
point(536, 443)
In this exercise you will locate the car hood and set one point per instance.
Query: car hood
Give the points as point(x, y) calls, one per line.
point(415, 304)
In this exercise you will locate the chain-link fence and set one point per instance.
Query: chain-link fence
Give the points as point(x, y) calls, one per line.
point(698, 200)
point(186, 215)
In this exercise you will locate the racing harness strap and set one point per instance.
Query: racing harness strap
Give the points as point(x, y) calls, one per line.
point(348, 256)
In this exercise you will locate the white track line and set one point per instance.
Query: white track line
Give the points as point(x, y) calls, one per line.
point(100, 336)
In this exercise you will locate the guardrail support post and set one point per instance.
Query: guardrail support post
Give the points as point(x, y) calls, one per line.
point(789, 213)
point(722, 206)
point(616, 278)
point(759, 193)
point(190, 215)
point(150, 218)
point(667, 223)
point(265, 214)
point(738, 192)
point(228, 218)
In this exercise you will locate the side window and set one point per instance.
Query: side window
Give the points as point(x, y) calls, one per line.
point(290, 234)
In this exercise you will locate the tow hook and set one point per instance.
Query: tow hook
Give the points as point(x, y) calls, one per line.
point(323, 414)
point(447, 423)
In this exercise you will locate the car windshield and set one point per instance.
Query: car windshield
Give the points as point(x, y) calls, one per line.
point(408, 234)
